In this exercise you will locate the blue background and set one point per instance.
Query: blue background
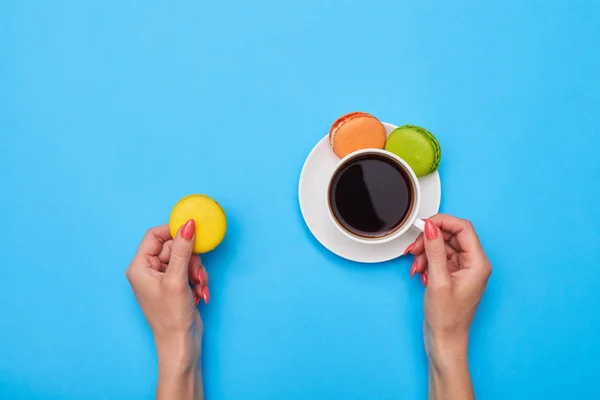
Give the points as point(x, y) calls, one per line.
point(111, 111)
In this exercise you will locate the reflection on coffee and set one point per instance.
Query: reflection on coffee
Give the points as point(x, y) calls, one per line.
point(371, 196)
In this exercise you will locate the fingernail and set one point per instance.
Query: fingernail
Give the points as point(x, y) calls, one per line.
point(187, 232)
point(424, 278)
point(201, 277)
point(409, 248)
point(431, 231)
point(196, 300)
point(413, 269)
point(206, 294)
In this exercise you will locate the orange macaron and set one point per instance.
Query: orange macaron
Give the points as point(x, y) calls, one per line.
point(356, 131)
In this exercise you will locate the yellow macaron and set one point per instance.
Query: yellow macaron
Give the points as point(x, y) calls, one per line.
point(209, 217)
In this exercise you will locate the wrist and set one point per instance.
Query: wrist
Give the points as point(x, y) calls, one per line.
point(447, 353)
point(177, 354)
point(179, 375)
point(449, 376)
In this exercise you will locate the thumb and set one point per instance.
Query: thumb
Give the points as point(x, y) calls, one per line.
point(181, 252)
point(435, 249)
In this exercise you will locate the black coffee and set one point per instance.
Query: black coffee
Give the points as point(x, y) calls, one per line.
point(371, 196)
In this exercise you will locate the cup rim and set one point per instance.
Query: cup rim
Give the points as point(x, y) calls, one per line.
point(407, 223)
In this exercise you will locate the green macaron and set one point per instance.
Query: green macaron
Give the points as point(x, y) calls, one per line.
point(417, 146)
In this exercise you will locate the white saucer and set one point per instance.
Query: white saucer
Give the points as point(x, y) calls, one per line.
point(312, 192)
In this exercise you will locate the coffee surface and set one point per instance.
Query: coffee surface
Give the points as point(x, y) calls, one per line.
point(371, 196)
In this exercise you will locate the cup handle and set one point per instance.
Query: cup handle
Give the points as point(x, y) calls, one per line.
point(419, 224)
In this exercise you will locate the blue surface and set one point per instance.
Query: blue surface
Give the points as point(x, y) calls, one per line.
point(111, 111)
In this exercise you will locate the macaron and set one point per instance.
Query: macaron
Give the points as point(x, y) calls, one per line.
point(356, 131)
point(417, 146)
point(209, 217)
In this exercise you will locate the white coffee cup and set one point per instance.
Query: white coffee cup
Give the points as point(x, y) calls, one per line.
point(411, 220)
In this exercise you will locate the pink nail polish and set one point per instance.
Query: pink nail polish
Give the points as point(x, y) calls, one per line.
point(201, 277)
point(424, 278)
point(413, 269)
point(431, 231)
point(187, 232)
point(206, 294)
point(196, 300)
point(409, 248)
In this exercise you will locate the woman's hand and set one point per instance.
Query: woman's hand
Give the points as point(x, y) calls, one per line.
point(455, 270)
point(160, 276)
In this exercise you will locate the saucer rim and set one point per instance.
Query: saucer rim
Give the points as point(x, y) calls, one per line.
point(319, 238)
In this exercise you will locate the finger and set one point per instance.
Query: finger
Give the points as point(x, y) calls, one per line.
point(413, 267)
point(450, 252)
point(195, 270)
point(153, 241)
point(435, 250)
point(165, 253)
point(418, 246)
point(421, 263)
point(181, 253)
point(415, 247)
point(203, 275)
point(206, 294)
point(462, 230)
point(198, 291)
point(411, 246)
point(453, 263)
point(155, 264)
point(202, 292)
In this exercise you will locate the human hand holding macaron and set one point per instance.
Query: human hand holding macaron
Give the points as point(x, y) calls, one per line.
point(168, 280)
point(210, 225)
point(166, 277)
